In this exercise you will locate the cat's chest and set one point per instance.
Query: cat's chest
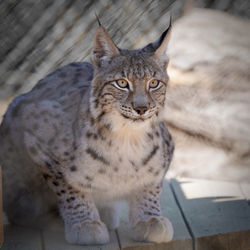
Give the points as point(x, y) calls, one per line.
point(117, 156)
point(122, 151)
point(118, 167)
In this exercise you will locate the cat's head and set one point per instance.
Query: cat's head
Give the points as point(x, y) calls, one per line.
point(128, 85)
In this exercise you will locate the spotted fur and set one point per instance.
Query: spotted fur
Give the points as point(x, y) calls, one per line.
point(79, 140)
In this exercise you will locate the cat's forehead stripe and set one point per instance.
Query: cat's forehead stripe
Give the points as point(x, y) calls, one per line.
point(137, 68)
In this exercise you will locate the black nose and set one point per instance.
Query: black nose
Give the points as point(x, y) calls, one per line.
point(141, 110)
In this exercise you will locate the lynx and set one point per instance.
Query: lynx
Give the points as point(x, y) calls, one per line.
point(88, 135)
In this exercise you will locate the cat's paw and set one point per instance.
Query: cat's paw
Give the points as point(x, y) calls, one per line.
point(87, 233)
point(155, 229)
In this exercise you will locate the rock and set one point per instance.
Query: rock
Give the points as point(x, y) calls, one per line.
point(209, 92)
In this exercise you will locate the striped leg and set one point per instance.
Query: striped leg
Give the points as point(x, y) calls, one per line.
point(81, 218)
point(82, 221)
point(145, 217)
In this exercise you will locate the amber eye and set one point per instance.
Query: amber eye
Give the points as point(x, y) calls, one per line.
point(154, 84)
point(122, 83)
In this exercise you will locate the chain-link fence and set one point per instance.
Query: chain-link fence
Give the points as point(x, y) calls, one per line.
point(38, 36)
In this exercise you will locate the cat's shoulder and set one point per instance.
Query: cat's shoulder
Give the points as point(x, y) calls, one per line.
point(74, 75)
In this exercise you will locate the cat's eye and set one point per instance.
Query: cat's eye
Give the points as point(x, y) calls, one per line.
point(154, 84)
point(122, 83)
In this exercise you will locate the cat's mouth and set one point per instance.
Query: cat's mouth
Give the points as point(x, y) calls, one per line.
point(129, 114)
point(138, 118)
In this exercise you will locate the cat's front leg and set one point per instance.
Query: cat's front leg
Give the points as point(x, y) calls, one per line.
point(81, 219)
point(146, 221)
point(82, 222)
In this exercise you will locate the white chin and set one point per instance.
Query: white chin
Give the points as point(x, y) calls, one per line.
point(121, 121)
point(136, 118)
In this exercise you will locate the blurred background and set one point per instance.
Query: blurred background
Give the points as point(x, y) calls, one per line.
point(208, 100)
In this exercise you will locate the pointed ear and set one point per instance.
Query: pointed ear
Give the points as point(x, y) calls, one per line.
point(159, 47)
point(104, 48)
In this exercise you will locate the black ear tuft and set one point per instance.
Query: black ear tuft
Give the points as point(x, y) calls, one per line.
point(98, 20)
point(159, 46)
point(163, 35)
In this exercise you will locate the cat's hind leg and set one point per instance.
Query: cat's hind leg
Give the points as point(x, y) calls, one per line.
point(22, 209)
point(25, 198)
point(26, 206)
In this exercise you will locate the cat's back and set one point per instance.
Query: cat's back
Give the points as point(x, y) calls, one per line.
point(53, 101)
point(64, 86)
point(75, 76)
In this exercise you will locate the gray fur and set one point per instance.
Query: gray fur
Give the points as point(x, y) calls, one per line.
point(79, 137)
